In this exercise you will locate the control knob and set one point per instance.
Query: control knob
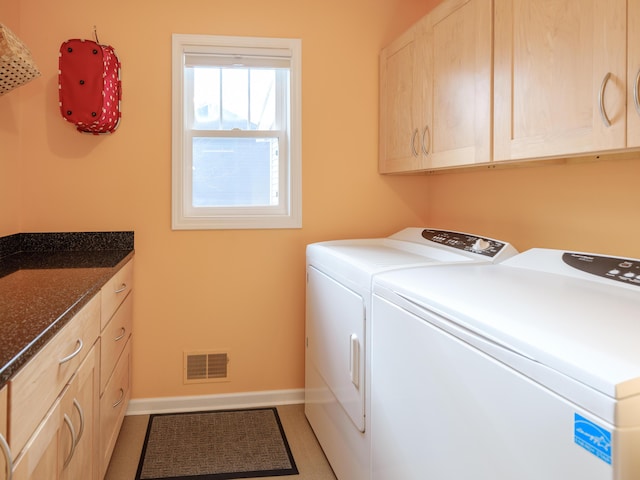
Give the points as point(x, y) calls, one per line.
point(480, 244)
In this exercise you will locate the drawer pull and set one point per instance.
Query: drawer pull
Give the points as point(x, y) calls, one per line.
point(120, 399)
point(73, 354)
point(122, 288)
point(123, 332)
point(81, 413)
point(67, 420)
point(7, 456)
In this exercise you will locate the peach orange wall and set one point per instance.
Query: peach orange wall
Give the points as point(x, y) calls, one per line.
point(244, 290)
point(239, 291)
point(10, 164)
point(590, 207)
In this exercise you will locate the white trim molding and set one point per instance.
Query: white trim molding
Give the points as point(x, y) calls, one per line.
point(145, 406)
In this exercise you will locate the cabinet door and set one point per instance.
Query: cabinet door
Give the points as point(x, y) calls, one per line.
point(560, 68)
point(4, 447)
point(80, 405)
point(65, 443)
point(633, 72)
point(460, 90)
point(400, 127)
point(39, 458)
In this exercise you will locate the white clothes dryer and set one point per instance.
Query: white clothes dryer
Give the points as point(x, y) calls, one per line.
point(528, 370)
point(338, 311)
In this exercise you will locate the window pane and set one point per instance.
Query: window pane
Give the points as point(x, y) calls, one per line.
point(228, 98)
point(235, 98)
point(206, 97)
point(263, 98)
point(235, 172)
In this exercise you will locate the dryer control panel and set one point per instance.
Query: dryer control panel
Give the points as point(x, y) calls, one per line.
point(625, 270)
point(463, 241)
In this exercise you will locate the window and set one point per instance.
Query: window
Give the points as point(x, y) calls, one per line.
point(236, 133)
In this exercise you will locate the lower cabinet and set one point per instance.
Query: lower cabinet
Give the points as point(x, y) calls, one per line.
point(64, 443)
point(61, 413)
point(5, 453)
point(113, 406)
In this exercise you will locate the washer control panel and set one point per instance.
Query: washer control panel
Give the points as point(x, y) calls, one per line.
point(462, 241)
point(625, 270)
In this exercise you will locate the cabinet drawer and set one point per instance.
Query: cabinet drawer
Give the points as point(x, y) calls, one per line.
point(113, 406)
point(114, 338)
point(36, 386)
point(115, 291)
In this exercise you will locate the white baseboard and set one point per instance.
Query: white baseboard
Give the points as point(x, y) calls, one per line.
point(144, 406)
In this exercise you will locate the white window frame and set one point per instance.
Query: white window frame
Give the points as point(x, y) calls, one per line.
point(289, 213)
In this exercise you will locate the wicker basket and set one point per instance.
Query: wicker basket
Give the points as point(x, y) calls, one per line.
point(16, 65)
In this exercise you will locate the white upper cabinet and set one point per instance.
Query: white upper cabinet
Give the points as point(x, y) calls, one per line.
point(559, 77)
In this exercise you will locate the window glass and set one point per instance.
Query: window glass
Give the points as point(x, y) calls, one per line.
point(235, 172)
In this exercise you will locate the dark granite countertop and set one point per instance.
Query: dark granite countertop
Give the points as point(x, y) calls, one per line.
point(45, 279)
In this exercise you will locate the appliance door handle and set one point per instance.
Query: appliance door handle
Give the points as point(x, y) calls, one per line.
point(354, 367)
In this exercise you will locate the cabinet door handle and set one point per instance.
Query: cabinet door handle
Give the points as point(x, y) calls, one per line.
point(122, 288)
point(636, 100)
point(120, 399)
point(413, 143)
point(603, 112)
point(67, 420)
point(123, 332)
point(81, 414)
point(8, 459)
point(72, 354)
point(426, 133)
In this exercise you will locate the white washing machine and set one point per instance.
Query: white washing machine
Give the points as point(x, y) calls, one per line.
point(338, 308)
point(525, 370)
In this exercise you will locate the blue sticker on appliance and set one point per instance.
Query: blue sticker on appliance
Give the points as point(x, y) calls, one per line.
point(592, 438)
